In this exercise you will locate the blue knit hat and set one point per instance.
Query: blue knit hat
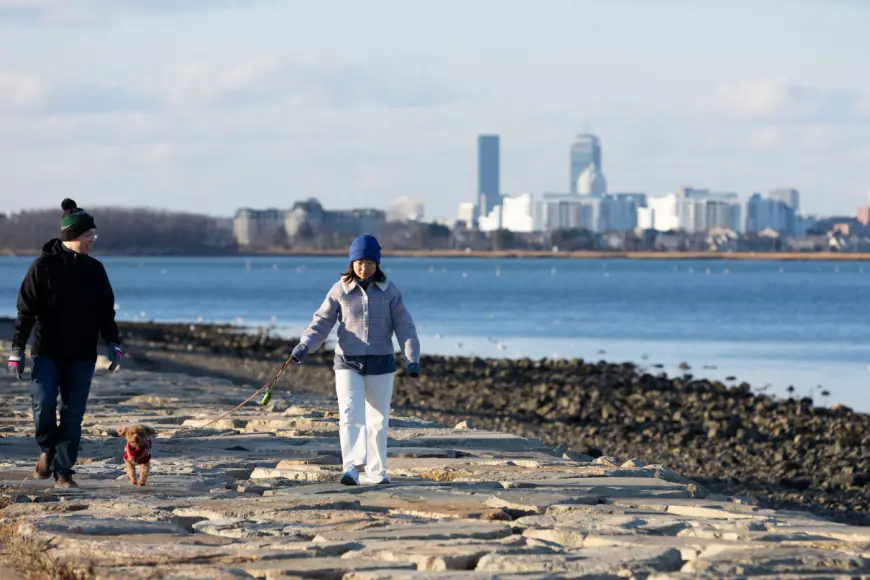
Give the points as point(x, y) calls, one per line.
point(365, 248)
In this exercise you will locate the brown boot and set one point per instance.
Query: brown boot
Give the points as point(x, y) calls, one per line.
point(43, 466)
point(65, 482)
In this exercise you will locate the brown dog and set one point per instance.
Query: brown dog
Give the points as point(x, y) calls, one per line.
point(137, 451)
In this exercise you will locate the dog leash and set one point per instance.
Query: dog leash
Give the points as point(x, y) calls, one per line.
point(267, 396)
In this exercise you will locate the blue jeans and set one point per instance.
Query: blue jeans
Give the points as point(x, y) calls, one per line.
point(72, 379)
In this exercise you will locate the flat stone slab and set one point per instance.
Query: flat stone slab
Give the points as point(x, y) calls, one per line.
point(775, 561)
point(257, 496)
point(89, 526)
point(532, 502)
point(327, 567)
point(599, 561)
point(430, 531)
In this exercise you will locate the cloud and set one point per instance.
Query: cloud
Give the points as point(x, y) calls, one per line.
point(39, 96)
point(89, 12)
point(348, 130)
point(396, 84)
point(96, 99)
point(294, 85)
point(21, 91)
point(771, 100)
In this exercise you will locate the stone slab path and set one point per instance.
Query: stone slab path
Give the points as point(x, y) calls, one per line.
point(256, 496)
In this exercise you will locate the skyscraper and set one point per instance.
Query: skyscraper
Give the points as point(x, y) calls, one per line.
point(585, 151)
point(790, 197)
point(488, 173)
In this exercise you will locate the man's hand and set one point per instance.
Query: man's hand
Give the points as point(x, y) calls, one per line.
point(414, 370)
point(299, 353)
point(115, 356)
point(16, 363)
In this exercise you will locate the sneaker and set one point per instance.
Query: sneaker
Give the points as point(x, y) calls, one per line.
point(64, 482)
point(43, 466)
point(350, 477)
point(376, 479)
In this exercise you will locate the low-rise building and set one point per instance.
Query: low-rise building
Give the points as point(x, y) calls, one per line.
point(305, 220)
point(406, 209)
point(253, 227)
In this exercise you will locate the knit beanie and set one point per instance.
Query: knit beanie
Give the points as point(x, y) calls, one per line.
point(75, 222)
point(365, 248)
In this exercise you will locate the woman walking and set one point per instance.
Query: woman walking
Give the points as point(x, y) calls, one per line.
point(369, 310)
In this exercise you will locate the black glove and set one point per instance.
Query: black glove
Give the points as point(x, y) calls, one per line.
point(414, 370)
point(16, 363)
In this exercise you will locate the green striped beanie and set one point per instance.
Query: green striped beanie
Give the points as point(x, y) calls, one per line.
point(75, 222)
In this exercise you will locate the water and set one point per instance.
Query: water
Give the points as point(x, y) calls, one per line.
point(768, 323)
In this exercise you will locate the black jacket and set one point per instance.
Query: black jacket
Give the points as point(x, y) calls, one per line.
point(69, 299)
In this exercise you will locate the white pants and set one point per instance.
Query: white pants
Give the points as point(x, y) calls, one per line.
point(364, 417)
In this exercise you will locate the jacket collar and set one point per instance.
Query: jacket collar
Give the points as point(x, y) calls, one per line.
point(349, 287)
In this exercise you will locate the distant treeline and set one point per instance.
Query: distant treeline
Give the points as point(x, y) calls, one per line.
point(127, 231)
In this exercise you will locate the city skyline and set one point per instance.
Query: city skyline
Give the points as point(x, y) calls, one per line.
point(300, 105)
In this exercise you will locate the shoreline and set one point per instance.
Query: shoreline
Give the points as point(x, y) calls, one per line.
point(789, 453)
point(258, 496)
point(517, 254)
point(713, 361)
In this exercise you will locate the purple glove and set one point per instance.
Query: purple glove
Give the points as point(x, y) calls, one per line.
point(299, 353)
point(115, 356)
point(16, 363)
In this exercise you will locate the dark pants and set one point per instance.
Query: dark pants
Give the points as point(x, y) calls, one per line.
point(72, 379)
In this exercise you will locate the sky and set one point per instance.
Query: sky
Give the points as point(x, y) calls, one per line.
point(212, 105)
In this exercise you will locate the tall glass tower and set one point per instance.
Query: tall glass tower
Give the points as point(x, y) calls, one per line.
point(585, 150)
point(488, 173)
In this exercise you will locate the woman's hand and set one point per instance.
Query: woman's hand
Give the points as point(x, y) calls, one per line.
point(299, 353)
point(414, 370)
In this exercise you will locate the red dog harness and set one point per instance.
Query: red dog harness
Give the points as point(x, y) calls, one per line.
point(140, 456)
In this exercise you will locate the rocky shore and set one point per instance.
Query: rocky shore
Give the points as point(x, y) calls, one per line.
point(786, 453)
point(255, 496)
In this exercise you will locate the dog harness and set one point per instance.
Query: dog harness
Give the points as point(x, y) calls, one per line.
point(140, 456)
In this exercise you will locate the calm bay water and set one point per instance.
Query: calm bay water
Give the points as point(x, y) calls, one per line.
point(776, 323)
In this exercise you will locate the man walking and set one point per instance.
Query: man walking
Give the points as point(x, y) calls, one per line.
point(67, 297)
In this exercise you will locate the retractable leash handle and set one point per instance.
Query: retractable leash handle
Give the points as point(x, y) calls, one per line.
point(267, 396)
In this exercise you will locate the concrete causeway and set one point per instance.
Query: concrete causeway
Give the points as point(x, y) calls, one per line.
point(256, 496)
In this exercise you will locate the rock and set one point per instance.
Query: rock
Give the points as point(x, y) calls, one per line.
point(96, 526)
point(467, 424)
point(517, 485)
point(778, 561)
point(523, 502)
point(302, 473)
point(445, 474)
point(259, 496)
point(233, 528)
point(730, 434)
point(294, 464)
point(439, 556)
point(253, 489)
point(578, 457)
point(435, 531)
point(640, 560)
point(320, 567)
